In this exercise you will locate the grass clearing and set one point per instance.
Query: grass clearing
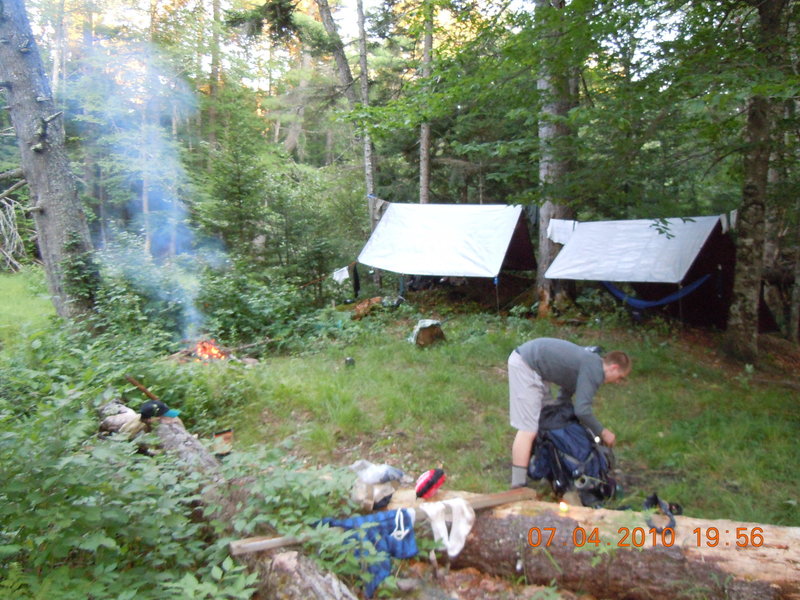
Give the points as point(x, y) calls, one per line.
point(689, 426)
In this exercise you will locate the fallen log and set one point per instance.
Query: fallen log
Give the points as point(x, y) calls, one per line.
point(294, 576)
point(616, 554)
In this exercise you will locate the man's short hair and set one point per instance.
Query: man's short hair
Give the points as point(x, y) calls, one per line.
point(619, 358)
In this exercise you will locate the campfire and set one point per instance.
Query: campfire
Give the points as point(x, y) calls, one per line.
point(205, 351)
point(209, 350)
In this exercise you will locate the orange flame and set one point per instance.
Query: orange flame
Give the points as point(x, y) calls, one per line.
point(208, 350)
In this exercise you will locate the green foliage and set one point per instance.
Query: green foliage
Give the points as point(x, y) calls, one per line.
point(291, 498)
point(241, 307)
point(277, 16)
point(81, 272)
point(91, 518)
point(140, 296)
point(24, 305)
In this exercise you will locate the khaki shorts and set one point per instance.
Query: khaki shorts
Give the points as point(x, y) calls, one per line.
point(527, 392)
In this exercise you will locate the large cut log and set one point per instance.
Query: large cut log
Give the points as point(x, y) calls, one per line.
point(606, 553)
point(612, 554)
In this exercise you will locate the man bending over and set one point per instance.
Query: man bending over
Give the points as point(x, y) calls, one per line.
point(579, 372)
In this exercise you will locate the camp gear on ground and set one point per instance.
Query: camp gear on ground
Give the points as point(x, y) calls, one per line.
point(390, 531)
point(156, 408)
point(429, 482)
point(666, 508)
point(374, 484)
point(113, 422)
point(571, 458)
point(373, 473)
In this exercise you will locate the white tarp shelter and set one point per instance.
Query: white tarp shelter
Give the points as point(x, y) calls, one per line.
point(458, 240)
point(630, 251)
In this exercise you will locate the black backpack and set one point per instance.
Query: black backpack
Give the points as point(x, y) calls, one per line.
point(571, 458)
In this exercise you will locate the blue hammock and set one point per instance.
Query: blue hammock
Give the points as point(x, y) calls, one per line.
point(642, 304)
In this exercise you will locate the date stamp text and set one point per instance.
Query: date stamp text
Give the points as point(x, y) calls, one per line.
point(709, 537)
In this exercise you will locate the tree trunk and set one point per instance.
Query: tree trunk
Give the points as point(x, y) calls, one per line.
point(59, 52)
point(292, 576)
point(342, 66)
point(549, 290)
point(502, 543)
point(515, 541)
point(292, 143)
point(60, 221)
point(425, 128)
point(556, 89)
point(363, 79)
point(741, 337)
point(214, 80)
point(794, 310)
point(348, 83)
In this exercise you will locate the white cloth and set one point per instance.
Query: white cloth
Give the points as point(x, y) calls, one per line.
point(463, 519)
point(560, 230)
point(340, 275)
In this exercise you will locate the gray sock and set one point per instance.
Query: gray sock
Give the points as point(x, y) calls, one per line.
point(519, 476)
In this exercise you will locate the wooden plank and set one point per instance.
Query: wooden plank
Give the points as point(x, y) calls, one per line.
point(477, 502)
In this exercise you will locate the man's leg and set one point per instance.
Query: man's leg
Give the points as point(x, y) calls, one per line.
point(525, 389)
point(520, 457)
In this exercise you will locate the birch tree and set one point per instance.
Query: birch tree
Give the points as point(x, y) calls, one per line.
point(425, 127)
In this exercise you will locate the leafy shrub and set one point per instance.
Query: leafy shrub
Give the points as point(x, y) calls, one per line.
point(89, 518)
point(245, 307)
point(139, 295)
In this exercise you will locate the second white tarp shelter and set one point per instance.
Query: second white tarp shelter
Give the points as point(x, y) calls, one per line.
point(457, 240)
point(642, 250)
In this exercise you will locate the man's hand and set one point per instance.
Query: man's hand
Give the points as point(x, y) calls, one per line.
point(608, 437)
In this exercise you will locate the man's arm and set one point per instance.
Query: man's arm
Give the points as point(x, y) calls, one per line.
point(584, 396)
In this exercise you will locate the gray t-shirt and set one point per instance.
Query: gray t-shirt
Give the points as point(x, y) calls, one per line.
point(578, 372)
